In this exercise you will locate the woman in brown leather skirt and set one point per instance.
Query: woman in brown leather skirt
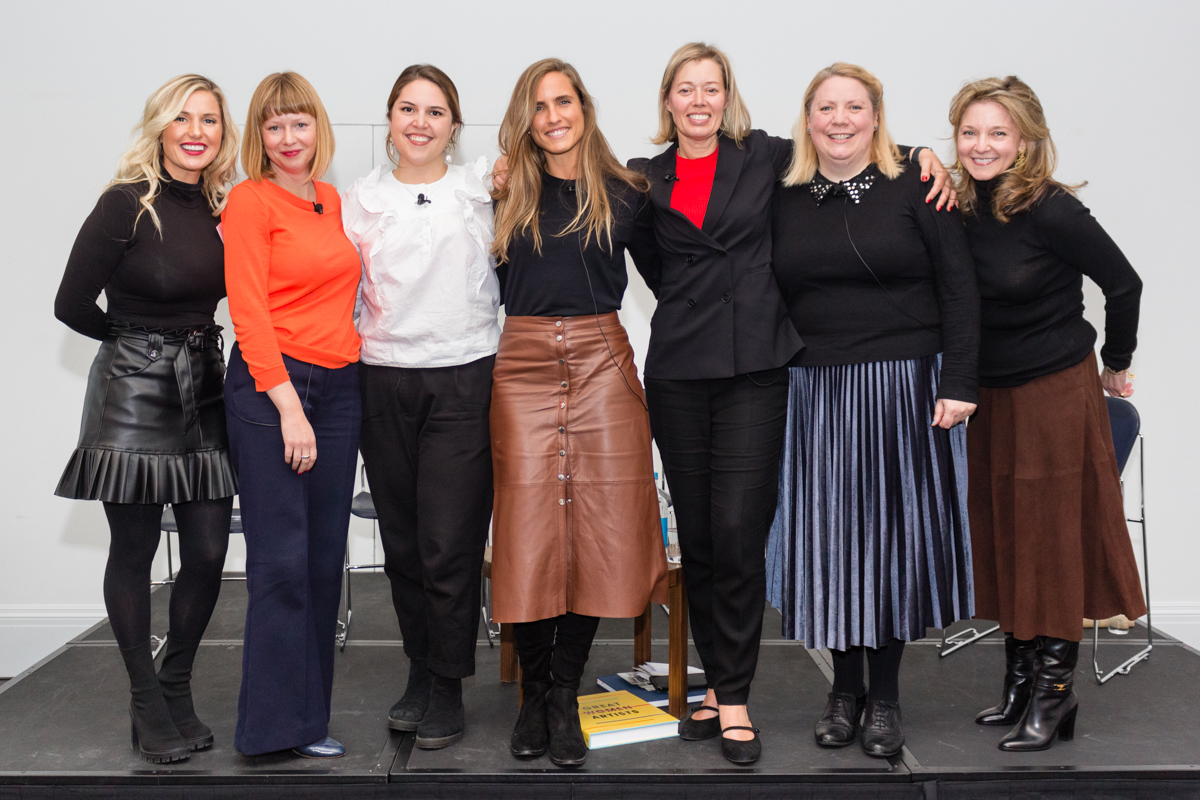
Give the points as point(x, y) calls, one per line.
point(1048, 533)
point(575, 530)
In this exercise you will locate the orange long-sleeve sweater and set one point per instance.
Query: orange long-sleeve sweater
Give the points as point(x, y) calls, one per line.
point(292, 276)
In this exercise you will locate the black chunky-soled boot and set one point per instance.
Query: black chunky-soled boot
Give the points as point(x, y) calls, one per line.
point(153, 733)
point(444, 720)
point(1020, 663)
point(175, 678)
point(531, 734)
point(406, 714)
point(1053, 706)
point(567, 746)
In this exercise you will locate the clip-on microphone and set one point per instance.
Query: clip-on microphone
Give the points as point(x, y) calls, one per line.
point(422, 200)
point(317, 207)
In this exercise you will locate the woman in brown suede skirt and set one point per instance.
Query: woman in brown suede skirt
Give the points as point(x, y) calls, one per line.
point(575, 530)
point(1048, 533)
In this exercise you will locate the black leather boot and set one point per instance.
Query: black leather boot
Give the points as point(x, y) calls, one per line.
point(1053, 705)
point(444, 720)
point(1021, 662)
point(406, 714)
point(175, 678)
point(153, 732)
point(531, 736)
point(838, 726)
point(882, 733)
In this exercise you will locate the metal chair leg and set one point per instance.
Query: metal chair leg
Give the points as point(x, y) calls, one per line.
point(344, 627)
point(957, 643)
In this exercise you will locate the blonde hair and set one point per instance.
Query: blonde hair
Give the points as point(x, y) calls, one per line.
point(884, 152)
point(518, 202)
point(284, 93)
point(1020, 187)
point(143, 160)
point(426, 72)
point(735, 118)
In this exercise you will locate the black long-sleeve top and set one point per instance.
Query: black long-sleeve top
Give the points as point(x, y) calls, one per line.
point(166, 281)
point(925, 300)
point(554, 283)
point(1031, 272)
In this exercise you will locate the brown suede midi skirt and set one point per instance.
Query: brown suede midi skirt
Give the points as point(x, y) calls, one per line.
point(576, 524)
point(1048, 535)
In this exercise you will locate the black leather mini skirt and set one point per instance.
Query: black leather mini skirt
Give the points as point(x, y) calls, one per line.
point(153, 426)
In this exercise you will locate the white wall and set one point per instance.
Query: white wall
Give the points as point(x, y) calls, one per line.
point(1112, 77)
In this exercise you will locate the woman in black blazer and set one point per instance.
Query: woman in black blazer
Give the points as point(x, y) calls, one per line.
point(716, 371)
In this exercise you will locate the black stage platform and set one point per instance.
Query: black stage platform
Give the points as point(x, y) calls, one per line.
point(63, 728)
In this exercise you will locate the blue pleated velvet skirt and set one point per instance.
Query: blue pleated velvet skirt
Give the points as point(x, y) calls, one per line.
point(870, 540)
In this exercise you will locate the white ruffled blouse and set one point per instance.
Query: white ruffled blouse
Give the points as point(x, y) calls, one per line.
point(429, 293)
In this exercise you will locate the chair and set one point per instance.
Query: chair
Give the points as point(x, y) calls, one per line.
point(363, 507)
point(1127, 432)
point(169, 526)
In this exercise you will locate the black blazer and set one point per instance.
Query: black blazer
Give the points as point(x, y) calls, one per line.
point(720, 312)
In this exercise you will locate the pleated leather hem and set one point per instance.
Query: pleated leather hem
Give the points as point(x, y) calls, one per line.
point(117, 476)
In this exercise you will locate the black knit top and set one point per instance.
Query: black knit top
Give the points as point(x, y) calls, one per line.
point(166, 281)
point(921, 299)
point(1031, 272)
point(554, 283)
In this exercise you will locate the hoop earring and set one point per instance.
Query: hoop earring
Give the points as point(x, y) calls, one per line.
point(958, 166)
point(1020, 162)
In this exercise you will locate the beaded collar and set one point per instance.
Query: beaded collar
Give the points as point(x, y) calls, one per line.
point(821, 187)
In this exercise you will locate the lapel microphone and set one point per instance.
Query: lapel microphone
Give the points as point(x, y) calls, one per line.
point(317, 207)
point(422, 200)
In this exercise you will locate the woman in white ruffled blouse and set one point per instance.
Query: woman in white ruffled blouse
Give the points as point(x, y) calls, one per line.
point(427, 317)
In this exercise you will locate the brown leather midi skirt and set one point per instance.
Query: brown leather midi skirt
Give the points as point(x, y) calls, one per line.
point(1048, 535)
point(576, 522)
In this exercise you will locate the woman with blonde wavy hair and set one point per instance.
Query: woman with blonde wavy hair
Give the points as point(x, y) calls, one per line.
point(575, 530)
point(1050, 545)
point(153, 428)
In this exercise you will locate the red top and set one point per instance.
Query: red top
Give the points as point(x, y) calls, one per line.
point(694, 184)
point(292, 277)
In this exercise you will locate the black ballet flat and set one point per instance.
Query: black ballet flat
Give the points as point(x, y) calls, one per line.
point(694, 730)
point(739, 752)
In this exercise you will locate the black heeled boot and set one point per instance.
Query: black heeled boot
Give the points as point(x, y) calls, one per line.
point(444, 720)
point(152, 731)
point(1021, 661)
point(838, 726)
point(406, 714)
point(175, 678)
point(1053, 705)
point(567, 746)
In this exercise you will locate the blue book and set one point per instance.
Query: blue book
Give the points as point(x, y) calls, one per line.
point(615, 683)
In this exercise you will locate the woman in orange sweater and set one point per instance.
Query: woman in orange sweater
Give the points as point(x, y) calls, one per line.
point(291, 396)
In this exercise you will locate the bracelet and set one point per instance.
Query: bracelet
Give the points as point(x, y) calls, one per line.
point(1110, 371)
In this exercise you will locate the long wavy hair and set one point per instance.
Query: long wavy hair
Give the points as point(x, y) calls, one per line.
point(517, 203)
point(884, 152)
point(143, 161)
point(735, 119)
point(1018, 188)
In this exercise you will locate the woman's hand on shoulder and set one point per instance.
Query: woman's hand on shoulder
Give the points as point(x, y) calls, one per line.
point(949, 413)
point(1117, 384)
point(500, 173)
point(943, 187)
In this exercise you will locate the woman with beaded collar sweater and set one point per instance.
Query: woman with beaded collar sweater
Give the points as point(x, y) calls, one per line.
point(870, 544)
point(1047, 522)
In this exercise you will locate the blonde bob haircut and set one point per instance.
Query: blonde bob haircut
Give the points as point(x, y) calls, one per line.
point(143, 161)
point(1019, 188)
point(284, 93)
point(518, 202)
point(735, 119)
point(884, 152)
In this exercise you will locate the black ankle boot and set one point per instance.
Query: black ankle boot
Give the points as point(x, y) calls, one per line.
point(567, 748)
point(1021, 660)
point(531, 736)
point(443, 722)
point(1053, 705)
point(882, 733)
point(153, 733)
point(406, 714)
point(838, 726)
point(175, 678)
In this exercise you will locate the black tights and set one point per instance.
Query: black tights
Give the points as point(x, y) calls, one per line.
point(883, 663)
point(135, 530)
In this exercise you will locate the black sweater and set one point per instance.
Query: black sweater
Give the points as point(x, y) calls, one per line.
point(1031, 282)
point(166, 282)
point(554, 283)
point(920, 255)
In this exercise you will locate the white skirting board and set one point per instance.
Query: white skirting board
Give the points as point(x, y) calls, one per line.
point(1180, 619)
point(30, 633)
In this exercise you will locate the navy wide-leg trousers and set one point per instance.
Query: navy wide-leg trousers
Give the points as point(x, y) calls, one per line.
point(296, 527)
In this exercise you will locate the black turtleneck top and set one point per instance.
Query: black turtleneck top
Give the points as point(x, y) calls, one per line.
point(159, 281)
point(555, 282)
point(916, 298)
point(1031, 272)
